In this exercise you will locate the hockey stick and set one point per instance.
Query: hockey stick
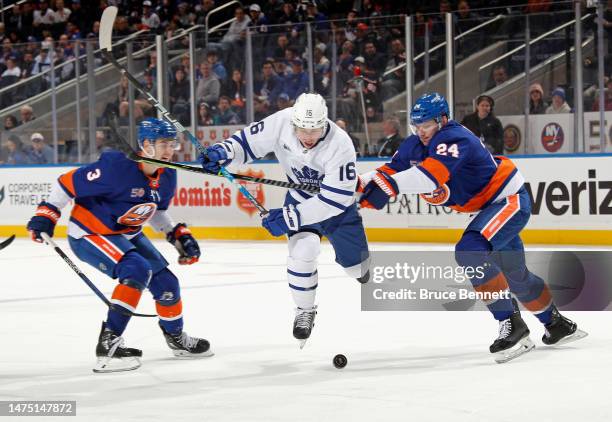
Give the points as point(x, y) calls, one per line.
point(133, 155)
point(7, 242)
point(106, 31)
point(87, 281)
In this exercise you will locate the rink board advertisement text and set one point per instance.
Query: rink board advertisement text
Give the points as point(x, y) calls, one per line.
point(571, 204)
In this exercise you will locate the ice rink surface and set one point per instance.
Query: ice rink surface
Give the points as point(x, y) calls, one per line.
point(403, 366)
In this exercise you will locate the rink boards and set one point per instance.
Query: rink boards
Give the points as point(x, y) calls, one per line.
point(571, 203)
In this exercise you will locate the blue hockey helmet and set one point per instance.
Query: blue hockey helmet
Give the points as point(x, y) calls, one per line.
point(429, 107)
point(154, 129)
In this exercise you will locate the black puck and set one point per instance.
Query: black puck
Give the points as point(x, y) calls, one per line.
point(340, 361)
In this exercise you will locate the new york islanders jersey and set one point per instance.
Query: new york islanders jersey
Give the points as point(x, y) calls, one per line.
point(329, 165)
point(113, 196)
point(454, 170)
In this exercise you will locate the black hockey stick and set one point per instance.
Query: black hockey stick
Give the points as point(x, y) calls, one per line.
point(134, 156)
point(87, 281)
point(106, 31)
point(7, 242)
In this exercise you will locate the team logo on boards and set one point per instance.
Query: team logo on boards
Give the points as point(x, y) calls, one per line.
point(138, 214)
point(255, 189)
point(512, 138)
point(552, 137)
point(437, 197)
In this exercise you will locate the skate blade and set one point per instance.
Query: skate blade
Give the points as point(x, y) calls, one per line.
point(188, 355)
point(302, 343)
point(577, 335)
point(525, 345)
point(106, 364)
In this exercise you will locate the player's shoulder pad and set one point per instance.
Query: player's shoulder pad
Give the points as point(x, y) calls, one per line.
point(340, 141)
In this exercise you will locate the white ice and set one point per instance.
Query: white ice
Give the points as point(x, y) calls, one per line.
point(417, 366)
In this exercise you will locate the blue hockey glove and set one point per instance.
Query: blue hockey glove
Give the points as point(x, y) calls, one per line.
point(185, 244)
point(282, 220)
point(216, 157)
point(44, 221)
point(378, 191)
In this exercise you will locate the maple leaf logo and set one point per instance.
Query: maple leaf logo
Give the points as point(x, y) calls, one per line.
point(308, 176)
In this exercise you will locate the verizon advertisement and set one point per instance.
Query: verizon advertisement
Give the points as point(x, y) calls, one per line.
point(567, 194)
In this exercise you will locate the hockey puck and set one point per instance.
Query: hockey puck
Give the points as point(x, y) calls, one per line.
point(340, 361)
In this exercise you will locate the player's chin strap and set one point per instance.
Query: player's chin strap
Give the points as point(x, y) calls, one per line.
point(106, 44)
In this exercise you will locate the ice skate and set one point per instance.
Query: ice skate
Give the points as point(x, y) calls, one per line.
point(183, 345)
point(303, 324)
point(513, 340)
point(561, 330)
point(112, 356)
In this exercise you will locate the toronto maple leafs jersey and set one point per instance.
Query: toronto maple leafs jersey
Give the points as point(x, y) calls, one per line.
point(114, 196)
point(455, 170)
point(329, 165)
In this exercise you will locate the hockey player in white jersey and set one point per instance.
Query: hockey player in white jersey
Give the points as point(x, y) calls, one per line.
point(312, 150)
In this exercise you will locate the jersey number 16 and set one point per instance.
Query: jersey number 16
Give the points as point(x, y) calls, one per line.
point(348, 171)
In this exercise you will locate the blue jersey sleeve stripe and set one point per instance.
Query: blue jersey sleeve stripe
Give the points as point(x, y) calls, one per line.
point(332, 203)
point(336, 190)
point(245, 146)
point(296, 274)
point(428, 174)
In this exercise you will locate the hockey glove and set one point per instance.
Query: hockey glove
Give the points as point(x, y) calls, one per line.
point(216, 156)
point(44, 221)
point(282, 220)
point(378, 192)
point(185, 244)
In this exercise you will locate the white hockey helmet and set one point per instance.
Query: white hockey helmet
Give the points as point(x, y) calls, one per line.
point(309, 112)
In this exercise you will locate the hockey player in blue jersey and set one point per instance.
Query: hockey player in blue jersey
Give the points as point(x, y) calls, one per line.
point(312, 150)
point(113, 198)
point(448, 165)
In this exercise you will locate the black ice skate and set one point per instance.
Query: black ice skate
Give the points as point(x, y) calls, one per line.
point(183, 345)
point(561, 330)
point(112, 356)
point(513, 340)
point(303, 324)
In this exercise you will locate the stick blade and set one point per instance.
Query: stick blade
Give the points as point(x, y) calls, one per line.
point(7, 242)
point(106, 27)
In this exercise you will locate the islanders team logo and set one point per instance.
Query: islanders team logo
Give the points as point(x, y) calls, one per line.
point(138, 214)
point(512, 138)
point(552, 137)
point(255, 189)
point(437, 197)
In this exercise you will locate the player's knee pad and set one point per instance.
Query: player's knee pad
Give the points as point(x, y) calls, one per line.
point(304, 246)
point(133, 270)
point(472, 250)
point(165, 287)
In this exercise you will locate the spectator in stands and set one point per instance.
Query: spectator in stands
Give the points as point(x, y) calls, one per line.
point(225, 115)
point(361, 37)
point(27, 114)
point(44, 18)
point(232, 42)
point(268, 83)
point(282, 43)
point(10, 122)
point(95, 31)
point(485, 125)
point(289, 18)
point(259, 20)
point(608, 97)
point(209, 87)
point(499, 75)
point(203, 10)
point(149, 18)
point(101, 143)
point(217, 67)
point(395, 82)
point(205, 117)
point(235, 89)
point(313, 15)
point(374, 60)
point(12, 72)
point(61, 13)
point(388, 144)
point(184, 17)
point(180, 95)
point(297, 82)
point(78, 15)
point(537, 105)
point(261, 107)
point(40, 152)
point(15, 151)
point(558, 104)
point(356, 143)
point(122, 104)
point(322, 69)
point(283, 101)
point(42, 62)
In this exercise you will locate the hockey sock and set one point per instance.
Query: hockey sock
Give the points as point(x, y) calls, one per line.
point(126, 297)
point(170, 316)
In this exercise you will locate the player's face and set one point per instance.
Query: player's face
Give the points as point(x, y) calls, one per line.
point(425, 131)
point(164, 148)
point(308, 137)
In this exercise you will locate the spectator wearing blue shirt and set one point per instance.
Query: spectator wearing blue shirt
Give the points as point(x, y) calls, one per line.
point(297, 82)
point(40, 153)
point(225, 115)
point(16, 154)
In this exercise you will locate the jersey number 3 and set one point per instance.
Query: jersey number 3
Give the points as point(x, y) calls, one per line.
point(444, 149)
